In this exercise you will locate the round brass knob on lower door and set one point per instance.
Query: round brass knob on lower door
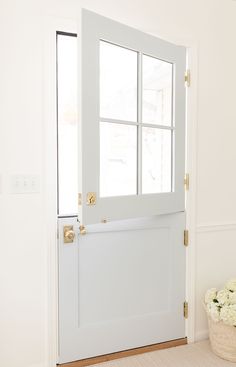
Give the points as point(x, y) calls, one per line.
point(69, 234)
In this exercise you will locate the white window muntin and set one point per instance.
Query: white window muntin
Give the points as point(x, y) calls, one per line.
point(140, 124)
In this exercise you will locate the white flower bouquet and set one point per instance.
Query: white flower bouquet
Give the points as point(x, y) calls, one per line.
point(221, 310)
point(221, 305)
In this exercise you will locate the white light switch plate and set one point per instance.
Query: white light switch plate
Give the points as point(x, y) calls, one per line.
point(23, 184)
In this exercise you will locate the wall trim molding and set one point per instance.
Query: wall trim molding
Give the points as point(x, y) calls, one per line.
point(216, 227)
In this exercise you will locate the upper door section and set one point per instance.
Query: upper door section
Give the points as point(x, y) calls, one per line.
point(132, 122)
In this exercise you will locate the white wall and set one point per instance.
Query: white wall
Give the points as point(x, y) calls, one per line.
point(23, 262)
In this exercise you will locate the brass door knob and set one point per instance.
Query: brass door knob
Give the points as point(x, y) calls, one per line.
point(69, 234)
point(82, 230)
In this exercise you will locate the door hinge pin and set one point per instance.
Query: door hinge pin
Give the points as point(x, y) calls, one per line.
point(186, 238)
point(186, 181)
point(185, 309)
point(187, 78)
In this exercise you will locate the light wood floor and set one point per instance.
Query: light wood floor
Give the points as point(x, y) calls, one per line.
point(191, 355)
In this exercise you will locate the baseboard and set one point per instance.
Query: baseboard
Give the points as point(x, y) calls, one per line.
point(201, 335)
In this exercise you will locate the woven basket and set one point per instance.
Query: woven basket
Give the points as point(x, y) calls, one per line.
point(223, 340)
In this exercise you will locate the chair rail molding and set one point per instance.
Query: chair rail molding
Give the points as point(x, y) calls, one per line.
point(216, 227)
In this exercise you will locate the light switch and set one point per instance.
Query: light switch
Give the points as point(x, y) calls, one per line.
point(23, 184)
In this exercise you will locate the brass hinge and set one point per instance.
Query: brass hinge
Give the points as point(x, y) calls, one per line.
point(187, 78)
point(185, 309)
point(186, 181)
point(186, 239)
point(79, 198)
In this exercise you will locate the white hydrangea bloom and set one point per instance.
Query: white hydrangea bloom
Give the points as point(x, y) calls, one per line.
point(231, 285)
point(223, 297)
point(213, 311)
point(228, 315)
point(210, 295)
point(232, 298)
point(221, 306)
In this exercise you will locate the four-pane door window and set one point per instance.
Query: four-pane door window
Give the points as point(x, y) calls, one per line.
point(136, 122)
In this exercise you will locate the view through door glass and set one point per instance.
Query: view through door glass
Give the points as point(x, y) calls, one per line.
point(136, 128)
point(67, 123)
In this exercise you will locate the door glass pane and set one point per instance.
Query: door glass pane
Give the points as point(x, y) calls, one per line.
point(118, 159)
point(118, 82)
point(157, 91)
point(156, 160)
point(67, 124)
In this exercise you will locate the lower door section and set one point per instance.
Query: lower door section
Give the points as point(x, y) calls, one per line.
point(121, 286)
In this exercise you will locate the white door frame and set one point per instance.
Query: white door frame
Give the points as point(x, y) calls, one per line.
point(51, 25)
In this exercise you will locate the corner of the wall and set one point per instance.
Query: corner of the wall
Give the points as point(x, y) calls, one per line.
point(201, 335)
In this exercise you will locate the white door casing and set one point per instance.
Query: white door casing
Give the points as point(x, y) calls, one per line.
point(51, 25)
